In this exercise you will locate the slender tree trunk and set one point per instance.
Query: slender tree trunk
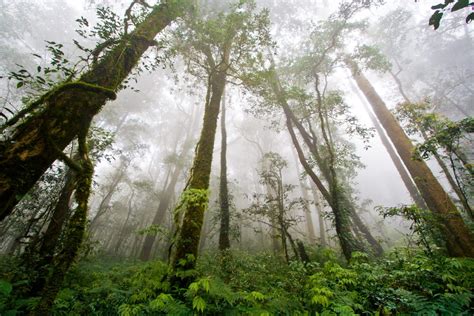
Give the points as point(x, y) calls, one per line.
point(188, 234)
point(60, 214)
point(374, 244)
point(224, 240)
point(165, 202)
point(459, 240)
point(38, 141)
point(40, 262)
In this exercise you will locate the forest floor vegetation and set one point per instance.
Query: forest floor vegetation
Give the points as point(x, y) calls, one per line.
point(405, 281)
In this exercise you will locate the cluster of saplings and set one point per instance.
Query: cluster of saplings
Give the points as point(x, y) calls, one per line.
point(234, 46)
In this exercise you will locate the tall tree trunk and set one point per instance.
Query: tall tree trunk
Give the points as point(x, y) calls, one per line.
point(60, 214)
point(194, 197)
point(459, 240)
point(224, 240)
point(38, 141)
point(374, 244)
point(165, 202)
point(407, 180)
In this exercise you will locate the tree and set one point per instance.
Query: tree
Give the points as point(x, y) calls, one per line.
point(38, 134)
point(407, 180)
point(220, 46)
point(276, 206)
point(444, 140)
point(459, 240)
point(314, 116)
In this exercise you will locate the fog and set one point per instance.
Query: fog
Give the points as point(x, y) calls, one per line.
point(146, 139)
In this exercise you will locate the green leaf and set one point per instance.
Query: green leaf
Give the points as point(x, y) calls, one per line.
point(435, 19)
point(19, 84)
point(438, 6)
point(460, 4)
point(199, 304)
point(321, 300)
point(470, 17)
point(194, 287)
point(257, 296)
point(205, 284)
point(5, 287)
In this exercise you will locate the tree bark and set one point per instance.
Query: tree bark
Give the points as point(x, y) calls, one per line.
point(37, 142)
point(167, 194)
point(459, 240)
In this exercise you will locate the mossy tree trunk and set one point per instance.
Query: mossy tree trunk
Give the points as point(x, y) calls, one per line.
point(194, 199)
point(452, 182)
point(36, 142)
point(459, 240)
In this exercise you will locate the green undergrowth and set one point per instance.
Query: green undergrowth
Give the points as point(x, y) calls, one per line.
point(403, 282)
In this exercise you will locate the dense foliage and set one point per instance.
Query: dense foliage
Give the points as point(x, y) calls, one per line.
point(406, 281)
